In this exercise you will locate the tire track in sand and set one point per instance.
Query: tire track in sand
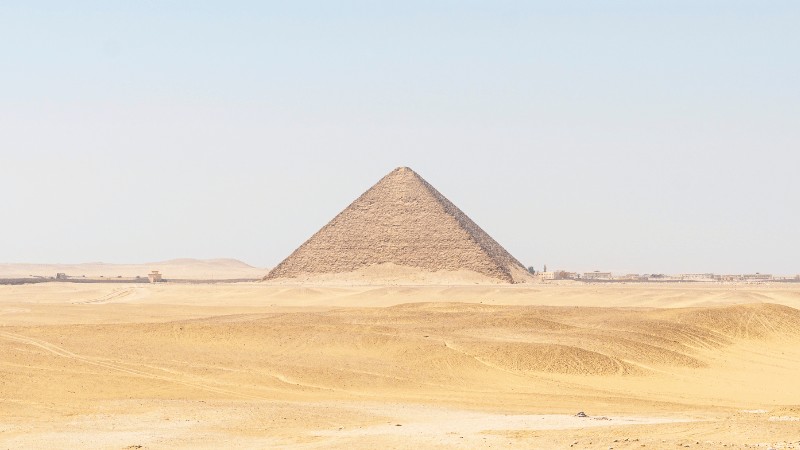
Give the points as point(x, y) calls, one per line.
point(193, 382)
point(116, 294)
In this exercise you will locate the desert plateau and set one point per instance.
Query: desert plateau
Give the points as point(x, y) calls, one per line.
point(259, 364)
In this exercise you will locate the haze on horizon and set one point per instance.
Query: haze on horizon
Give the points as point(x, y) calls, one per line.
point(630, 136)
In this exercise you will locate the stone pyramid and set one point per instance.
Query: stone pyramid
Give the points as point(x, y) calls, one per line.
point(404, 221)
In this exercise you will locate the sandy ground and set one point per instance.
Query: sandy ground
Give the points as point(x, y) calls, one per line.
point(254, 365)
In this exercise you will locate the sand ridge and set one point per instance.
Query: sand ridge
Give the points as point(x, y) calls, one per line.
point(184, 268)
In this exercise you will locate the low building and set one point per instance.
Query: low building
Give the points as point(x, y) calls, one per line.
point(757, 277)
point(629, 277)
point(728, 277)
point(154, 277)
point(696, 277)
point(564, 275)
point(597, 275)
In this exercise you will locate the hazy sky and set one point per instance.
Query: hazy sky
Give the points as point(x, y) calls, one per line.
point(633, 135)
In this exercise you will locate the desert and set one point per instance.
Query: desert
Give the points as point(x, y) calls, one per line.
point(258, 365)
point(399, 324)
point(178, 269)
point(399, 225)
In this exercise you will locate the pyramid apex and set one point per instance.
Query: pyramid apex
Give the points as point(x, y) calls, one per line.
point(402, 172)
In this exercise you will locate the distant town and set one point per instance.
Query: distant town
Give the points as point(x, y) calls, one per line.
point(659, 277)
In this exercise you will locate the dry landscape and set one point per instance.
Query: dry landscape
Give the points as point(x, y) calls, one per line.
point(254, 365)
point(185, 268)
point(623, 274)
point(395, 326)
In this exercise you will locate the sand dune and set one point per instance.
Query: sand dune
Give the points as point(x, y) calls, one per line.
point(175, 268)
point(267, 365)
point(389, 274)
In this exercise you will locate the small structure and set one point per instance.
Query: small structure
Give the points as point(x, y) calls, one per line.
point(757, 277)
point(597, 275)
point(61, 276)
point(154, 277)
point(696, 277)
point(564, 275)
point(729, 277)
point(629, 277)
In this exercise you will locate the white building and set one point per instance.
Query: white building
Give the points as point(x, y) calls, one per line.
point(154, 276)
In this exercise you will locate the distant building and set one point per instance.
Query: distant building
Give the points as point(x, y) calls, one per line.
point(757, 277)
point(154, 276)
point(629, 277)
point(61, 276)
point(696, 277)
point(597, 275)
point(564, 275)
point(546, 275)
point(728, 277)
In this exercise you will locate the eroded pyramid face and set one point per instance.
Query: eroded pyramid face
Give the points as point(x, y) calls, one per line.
point(404, 221)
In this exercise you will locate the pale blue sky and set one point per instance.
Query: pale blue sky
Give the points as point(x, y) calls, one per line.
point(622, 135)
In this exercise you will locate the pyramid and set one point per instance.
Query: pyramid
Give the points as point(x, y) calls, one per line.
point(401, 220)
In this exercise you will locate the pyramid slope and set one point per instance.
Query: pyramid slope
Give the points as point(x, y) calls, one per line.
point(401, 220)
